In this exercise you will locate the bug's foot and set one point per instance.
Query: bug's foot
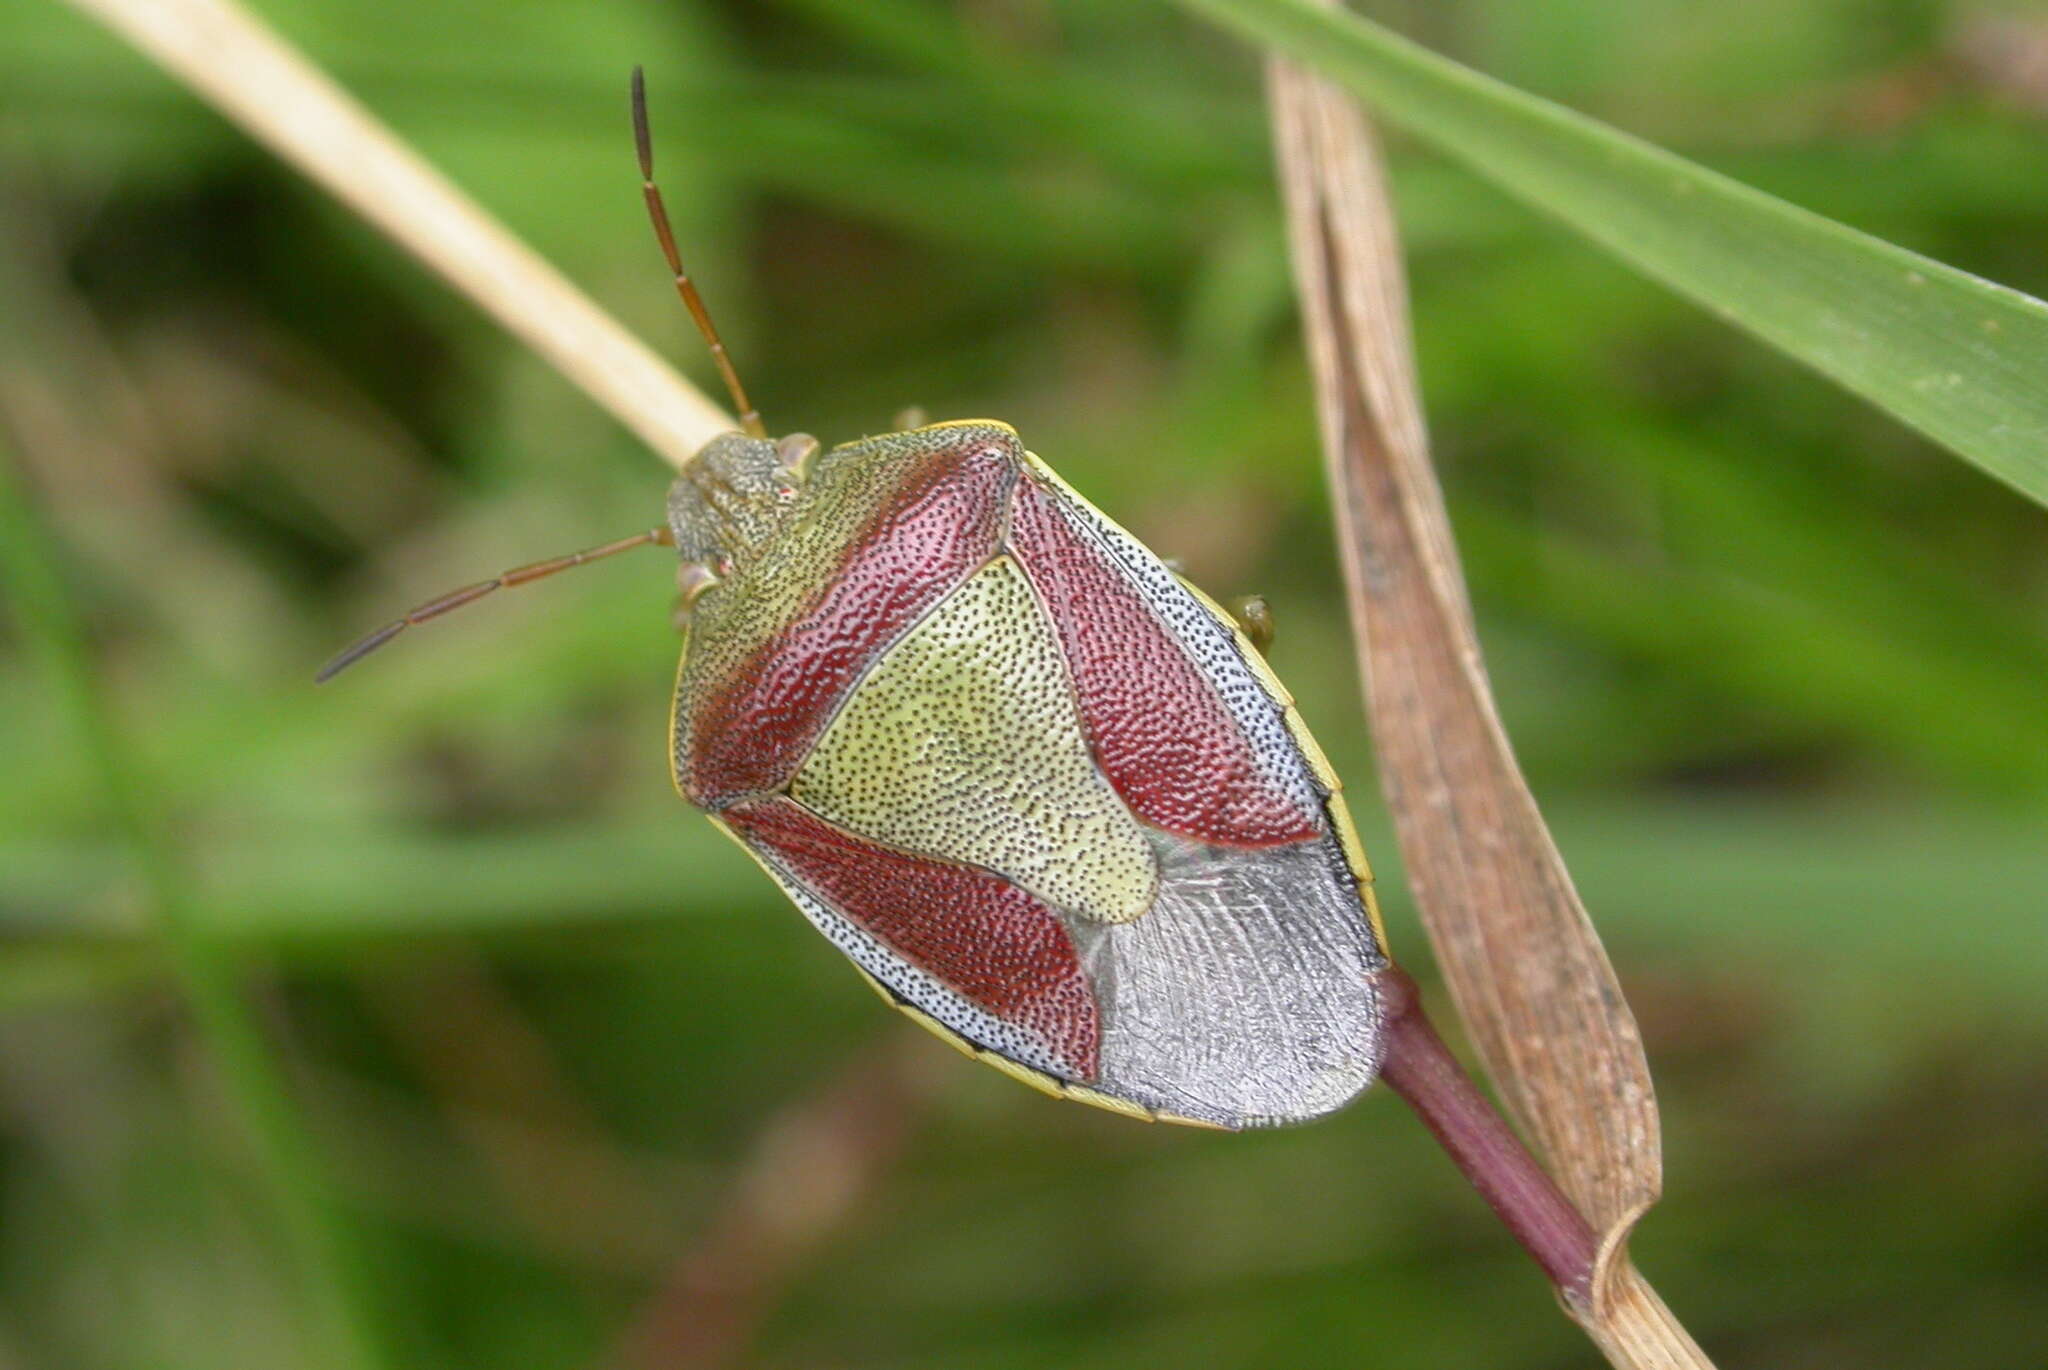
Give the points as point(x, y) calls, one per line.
point(912, 416)
point(1255, 616)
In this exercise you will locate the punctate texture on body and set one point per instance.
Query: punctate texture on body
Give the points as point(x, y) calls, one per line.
point(1034, 785)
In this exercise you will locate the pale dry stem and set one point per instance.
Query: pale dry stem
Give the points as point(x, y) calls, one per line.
point(253, 77)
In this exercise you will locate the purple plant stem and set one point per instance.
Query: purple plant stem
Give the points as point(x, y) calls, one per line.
point(1422, 1070)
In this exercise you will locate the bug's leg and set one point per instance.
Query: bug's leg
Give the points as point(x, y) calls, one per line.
point(1255, 616)
point(693, 578)
point(912, 416)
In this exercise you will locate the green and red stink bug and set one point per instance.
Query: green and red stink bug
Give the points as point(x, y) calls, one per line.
point(1043, 792)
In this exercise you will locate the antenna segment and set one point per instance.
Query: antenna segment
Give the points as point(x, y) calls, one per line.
point(469, 594)
point(643, 143)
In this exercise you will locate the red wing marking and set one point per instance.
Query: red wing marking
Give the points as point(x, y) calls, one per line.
point(968, 928)
point(754, 731)
point(1159, 730)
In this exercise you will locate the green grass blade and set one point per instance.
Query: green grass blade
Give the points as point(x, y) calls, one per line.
point(1960, 359)
point(34, 590)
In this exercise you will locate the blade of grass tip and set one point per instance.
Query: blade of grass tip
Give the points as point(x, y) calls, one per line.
point(1954, 356)
point(35, 590)
point(1531, 979)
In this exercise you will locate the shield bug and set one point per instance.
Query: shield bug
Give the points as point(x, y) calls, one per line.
point(1042, 791)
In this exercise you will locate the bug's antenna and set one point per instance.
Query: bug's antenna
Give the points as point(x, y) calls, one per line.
point(469, 594)
point(643, 142)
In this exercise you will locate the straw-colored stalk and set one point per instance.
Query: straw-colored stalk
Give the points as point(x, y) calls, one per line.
point(286, 103)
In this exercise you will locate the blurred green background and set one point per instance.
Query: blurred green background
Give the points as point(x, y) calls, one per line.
point(569, 1067)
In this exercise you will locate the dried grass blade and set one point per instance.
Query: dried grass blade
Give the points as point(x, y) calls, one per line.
point(1530, 978)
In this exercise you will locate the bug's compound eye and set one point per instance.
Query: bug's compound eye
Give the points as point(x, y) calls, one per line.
point(793, 455)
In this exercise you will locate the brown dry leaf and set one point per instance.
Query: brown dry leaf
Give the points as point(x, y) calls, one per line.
point(1531, 981)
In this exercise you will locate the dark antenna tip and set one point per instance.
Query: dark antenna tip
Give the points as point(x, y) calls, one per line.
point(357, 650)
point(643, 141)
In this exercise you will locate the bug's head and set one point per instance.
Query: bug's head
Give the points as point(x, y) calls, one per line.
point(734, 495)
